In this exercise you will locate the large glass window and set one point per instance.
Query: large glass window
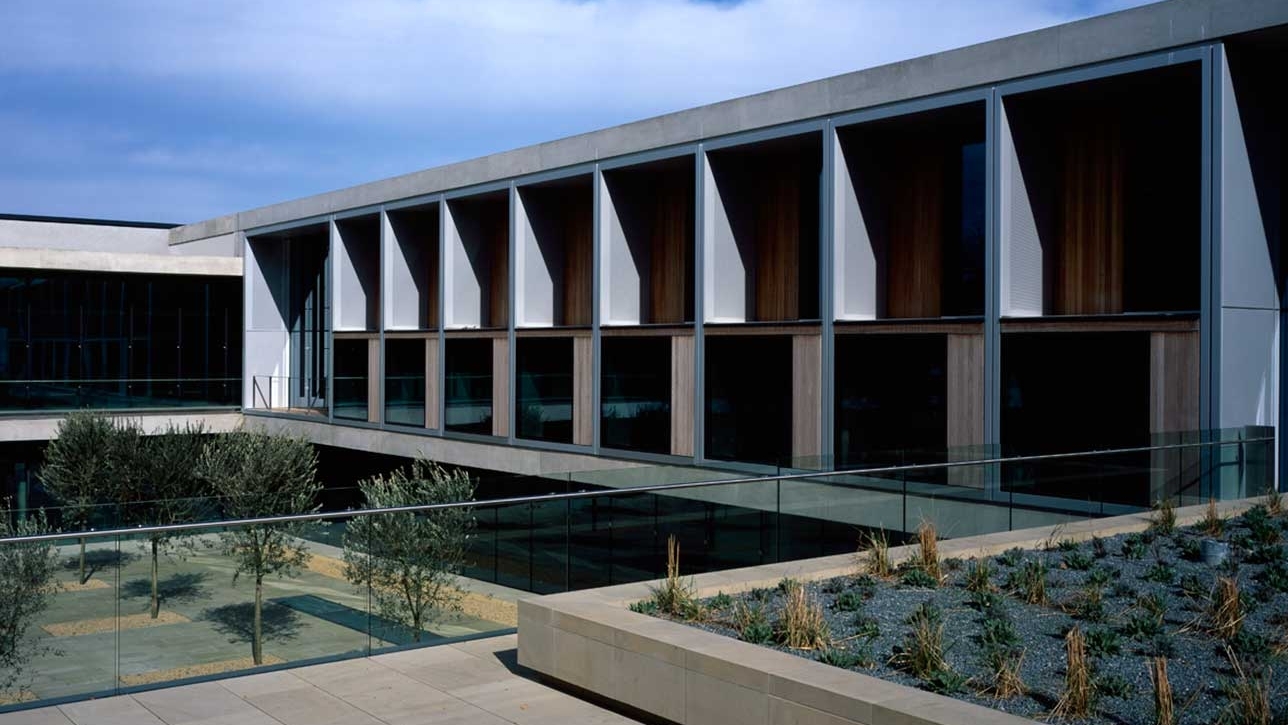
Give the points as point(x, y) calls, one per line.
point(890, 399)
point(749, 398)
point(95, 340)
point(544, 397)
point(405, 381)
point(351, 378)
point(468, 392)
point(635, 394)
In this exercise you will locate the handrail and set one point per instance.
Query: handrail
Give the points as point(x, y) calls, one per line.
point(576, 495)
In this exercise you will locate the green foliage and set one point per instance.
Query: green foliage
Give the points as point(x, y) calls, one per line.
point(27, 580)
point(1153, 604)
point(1122, 590)
point(408, 559)
point(261, 475)
point(1115, 686)
point(952, 563)
point(1078, 560)
point(847, 658)
point(786, 584)
point(1273, 578)
point(1192, 586)
point(921, 653)
point(998, 632)
point(1142, 627)
point(848, 601)
point(1066, 545)
point(1029, 581)
point(1160, 645)
point(983, 601)
point(1100, 576)
point(1103, 642)
point(752, 624)
point(1160, 572)
point(1098, 547)
point(866, 627)
point(979, 575)
point(918, 578)
point(1270, 554)
point(1253, 649)
point(644, 606)
point(761, 594)
point(945, 681)
point(1011, 557)
point(1134, 546)
point(721, 601)
point(1088, 604)
point(1191, 549)
point(1164, 519)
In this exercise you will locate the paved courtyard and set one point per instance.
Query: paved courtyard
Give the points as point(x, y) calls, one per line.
point(470, 683)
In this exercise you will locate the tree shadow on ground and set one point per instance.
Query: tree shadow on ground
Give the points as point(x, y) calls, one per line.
point(237, 621)
point(97, 560)
point(179, 587)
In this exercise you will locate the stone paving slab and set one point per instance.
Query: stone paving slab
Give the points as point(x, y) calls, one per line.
point(470, 683)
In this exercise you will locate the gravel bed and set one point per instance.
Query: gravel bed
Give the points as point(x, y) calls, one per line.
point(1132, 567)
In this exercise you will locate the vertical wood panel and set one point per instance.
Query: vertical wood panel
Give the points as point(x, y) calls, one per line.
point(778, 227)
point(682, 424)
point(914, 242)
point(1173, 381)
point(583, 411)
point(430, 241)
point(1089, 271)
point(373, 380)
point(807, 391)
point(671, 252)
point(496, 221)
point(431, 382)
point(577, 253)
point(965, 406)
point(500, 386)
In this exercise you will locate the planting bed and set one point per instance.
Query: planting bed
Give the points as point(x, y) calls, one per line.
point(1133, 597)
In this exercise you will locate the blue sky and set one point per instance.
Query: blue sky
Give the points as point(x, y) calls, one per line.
point(178, 111)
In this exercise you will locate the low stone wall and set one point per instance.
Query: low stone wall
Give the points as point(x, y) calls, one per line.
point(591, 640)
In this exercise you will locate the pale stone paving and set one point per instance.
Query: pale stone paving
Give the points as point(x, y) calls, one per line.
point(477, 682)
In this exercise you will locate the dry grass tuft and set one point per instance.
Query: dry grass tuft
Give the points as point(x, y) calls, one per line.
point(878, 555)
point(1274, 501)
point(803, 625)
point(1212, 524)
point(676, 596)
point(1225, 608)
point(1248, 698)
point(1007, 682)
point(922, 650)
point(1075, 702)
point(928, 550)
point(1164, 710)
point(1164, 519)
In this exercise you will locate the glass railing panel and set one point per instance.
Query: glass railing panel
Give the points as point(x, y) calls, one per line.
point(118, 394)
point(549, 547)
point(590, 542)
point(69, 646)
point(513, 546)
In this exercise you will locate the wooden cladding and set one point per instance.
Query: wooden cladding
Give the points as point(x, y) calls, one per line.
point(496, 231)
point(778, 242)
point(577, 259)
point(914, 246)
point(807, 395)
point(500, 386)
point(583, 377)
point(682, 395)
point(965, 388)
point(1173, 381)
point(670, 291)
point(1088, 274)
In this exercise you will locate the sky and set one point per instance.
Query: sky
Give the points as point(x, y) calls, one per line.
point(157, 110)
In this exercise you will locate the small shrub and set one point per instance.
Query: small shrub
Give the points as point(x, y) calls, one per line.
point(1152, 604)
point(1098, 547)
point(721, 601)
point(985, 601)
point(1274, 501)
point(846, 658)
point(1011, 557)
point(802, 624)
point(648, 606)
point(751, 623)
point(953, 563)
point(1075, 701)
point(848, 601)
point(866, 627)
point(676, 595)
point(1164, 710)
point(921, 653)
point(1088, 604)
point(878, 556)
point(1261, 530)
point(1134, 546)
point(1103, 642)
point(1100, 577)
point(1161, 645)
point(1122, 590)
point(918, 579)
point(1191, 550)
point(1113, 686)
point(1078, 560)
point(1273, 577)
point(761, 594)
point(1252, 648)
point(865, 585)
point(979, 575)
point(1160, 572)
point(1028, 582)
point(1066, 545)
point(1193, 588)
point(1142, 627)
point(787, 584)
point(927, 556)
point(1164, 519)
point(998, 632)
point(945, 681)
point(1272, 554)
point(1213, 525)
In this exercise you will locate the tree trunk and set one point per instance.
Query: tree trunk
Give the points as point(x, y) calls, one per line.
point(416, 618)
point(256, 641)
point(156, 600)
point(83, 577)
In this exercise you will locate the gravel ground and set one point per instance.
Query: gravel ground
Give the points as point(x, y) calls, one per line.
point(1197, 661)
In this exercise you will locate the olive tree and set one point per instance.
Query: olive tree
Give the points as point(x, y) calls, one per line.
point(408, 558)
point(27, 580)
point(162, 488)
point(261, 475)
point(82, 467)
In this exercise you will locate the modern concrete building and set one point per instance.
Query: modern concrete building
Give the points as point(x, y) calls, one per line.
point(1063, 240)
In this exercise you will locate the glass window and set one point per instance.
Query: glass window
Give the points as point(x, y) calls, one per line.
point(543, 395)
point(405, 381)
point(635, 394)
point(468, 390)
point(351, 379)
point(749, 398)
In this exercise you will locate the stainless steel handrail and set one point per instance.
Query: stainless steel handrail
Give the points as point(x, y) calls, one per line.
point(624, 491)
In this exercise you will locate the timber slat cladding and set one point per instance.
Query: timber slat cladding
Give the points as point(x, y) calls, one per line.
point(914, 253)
point(583, 422)
point(671, 246)
point(431, 383)
point(1173, 381)
point(778, 241)
point(807, 395)
point(500, 386)
point(682, 395)
point(1089, 265)
point(496, 230)
point(577, 224)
